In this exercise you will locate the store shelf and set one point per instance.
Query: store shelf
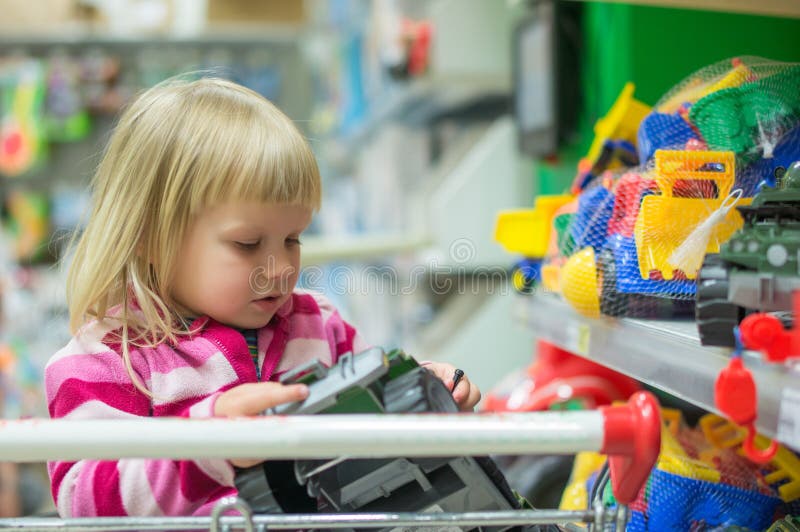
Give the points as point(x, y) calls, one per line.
point(773, 8)
point(323, 249)
point(417, 100)
point(84, 39)
point(667, 355)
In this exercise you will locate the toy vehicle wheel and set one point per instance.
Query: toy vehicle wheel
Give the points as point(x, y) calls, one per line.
point(612, 302)
point(521, 282)
point(619, 304)
point(417, 391)
point(525, 274)
point(716, 315)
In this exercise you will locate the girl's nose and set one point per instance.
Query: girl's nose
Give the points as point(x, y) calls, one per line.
point(274, 275)
point(279, 271)
point(279, 265)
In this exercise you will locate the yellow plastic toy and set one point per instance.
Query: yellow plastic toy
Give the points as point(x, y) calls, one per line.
point(666, 222)
point(30, 221)
point(578, 279)
point(527, 231)
point(724, 434)
point(551, 275)
point(575, 496)
point(701, 88)
point(621, 122)
point(672, 459)
point(672, 419)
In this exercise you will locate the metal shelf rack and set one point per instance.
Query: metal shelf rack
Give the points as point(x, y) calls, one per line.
point(668, 356)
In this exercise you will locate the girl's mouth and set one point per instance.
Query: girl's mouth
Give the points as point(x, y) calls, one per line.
point(267, 303)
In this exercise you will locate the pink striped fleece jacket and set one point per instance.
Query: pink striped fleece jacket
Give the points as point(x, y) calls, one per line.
point(87, 379)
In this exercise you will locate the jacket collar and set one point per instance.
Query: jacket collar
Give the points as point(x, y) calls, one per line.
point(283, 312)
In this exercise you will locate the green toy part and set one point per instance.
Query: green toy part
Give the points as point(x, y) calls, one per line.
point(741, 119)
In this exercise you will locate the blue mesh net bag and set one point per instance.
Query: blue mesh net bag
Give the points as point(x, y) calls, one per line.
point(638, 236)
point(702, 484)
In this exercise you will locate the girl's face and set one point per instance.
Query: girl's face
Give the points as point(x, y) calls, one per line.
point(239, 262)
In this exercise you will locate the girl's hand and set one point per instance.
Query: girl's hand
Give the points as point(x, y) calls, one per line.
point(252, 399)
point(465, 394)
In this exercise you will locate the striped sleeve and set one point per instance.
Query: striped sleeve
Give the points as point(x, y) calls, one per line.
point(342, 336)
point(90, 381)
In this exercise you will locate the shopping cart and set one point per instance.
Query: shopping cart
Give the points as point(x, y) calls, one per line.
point(629, 434)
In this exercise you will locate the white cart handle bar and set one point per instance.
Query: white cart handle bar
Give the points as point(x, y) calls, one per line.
point(630, 434)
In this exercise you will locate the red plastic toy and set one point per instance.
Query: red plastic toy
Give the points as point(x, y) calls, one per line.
point(632, 443)
point(735, 396)
point(557, 377)
point(764, 332)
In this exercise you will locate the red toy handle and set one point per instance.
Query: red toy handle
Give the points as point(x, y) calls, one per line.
point(735, 396)
point(632, 441)
point(735, 393)
point(759, 456)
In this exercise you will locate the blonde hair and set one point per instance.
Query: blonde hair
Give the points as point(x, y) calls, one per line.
point(180, 146)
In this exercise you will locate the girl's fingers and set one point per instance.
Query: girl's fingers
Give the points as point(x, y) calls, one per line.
point(473, 398)
point(252, 399)
point(442, 370)
point(466, 394)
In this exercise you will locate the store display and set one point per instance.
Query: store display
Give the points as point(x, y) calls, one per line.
point(643, 222)
point(709, 171)
point(21, 112)
point(28, 223)
point(66, 118)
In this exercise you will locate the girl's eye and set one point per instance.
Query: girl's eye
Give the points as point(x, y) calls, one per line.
point(293, 242)
point(248, 245)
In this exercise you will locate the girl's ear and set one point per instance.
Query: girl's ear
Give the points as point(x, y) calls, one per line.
point(140, 254)
point(139, 251)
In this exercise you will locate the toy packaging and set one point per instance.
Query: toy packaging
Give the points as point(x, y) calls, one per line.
point(701, 481)
point(646, 208)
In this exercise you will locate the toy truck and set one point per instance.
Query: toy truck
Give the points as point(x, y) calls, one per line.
point(623, 267)
point(374, 382)
point(527, 232)
point(758, 269)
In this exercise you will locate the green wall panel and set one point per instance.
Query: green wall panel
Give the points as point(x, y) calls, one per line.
point(657, 47)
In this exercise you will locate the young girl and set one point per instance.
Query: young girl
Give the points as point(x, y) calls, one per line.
point(181, 291)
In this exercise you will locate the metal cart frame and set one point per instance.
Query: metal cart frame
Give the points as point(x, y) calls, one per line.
point(629, 434)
